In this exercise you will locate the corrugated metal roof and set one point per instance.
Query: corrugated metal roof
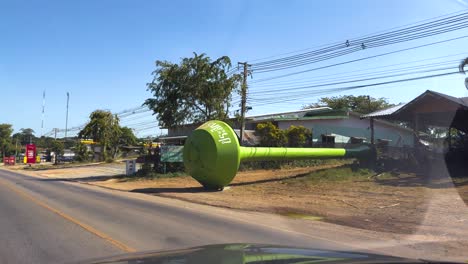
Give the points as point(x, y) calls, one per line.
point(290, 114)
point(384, 112)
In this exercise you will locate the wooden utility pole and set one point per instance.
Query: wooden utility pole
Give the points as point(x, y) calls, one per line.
point(243, 101)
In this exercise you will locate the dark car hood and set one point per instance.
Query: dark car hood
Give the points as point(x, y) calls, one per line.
point(251, 253)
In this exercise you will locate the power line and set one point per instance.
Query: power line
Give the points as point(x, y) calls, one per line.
point(347, 88)
point(356, 60)
point(342, 76)
point(340, 42)
point(392, 37)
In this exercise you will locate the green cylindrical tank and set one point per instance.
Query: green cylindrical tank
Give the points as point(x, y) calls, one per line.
point(212, 154)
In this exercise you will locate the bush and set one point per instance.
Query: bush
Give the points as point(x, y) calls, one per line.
point(298, 136)
point(270, 135)
point(82, 152)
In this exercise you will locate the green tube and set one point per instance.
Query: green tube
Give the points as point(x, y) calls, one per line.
point(261, 153)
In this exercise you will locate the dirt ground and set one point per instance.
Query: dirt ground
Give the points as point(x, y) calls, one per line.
point(402, 204)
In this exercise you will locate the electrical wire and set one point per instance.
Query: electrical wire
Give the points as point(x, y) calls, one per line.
point(359, 59)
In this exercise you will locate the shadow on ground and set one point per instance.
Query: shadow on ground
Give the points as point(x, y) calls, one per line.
point(172, 190)
point(86, 179)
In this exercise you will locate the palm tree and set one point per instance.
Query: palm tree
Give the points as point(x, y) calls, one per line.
point(461, 68)
point(462, 65)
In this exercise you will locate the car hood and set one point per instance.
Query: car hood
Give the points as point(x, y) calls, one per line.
point(252, 253)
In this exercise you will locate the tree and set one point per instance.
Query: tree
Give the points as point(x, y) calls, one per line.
point(5, 138)
point(103, 128)
point(298, 136)
point(57, 147)
point(25, 136)
point(461, 67)
point(270, 135)
point(362, 104)
point(195, 90)
point(127, 137)
point(82, 152)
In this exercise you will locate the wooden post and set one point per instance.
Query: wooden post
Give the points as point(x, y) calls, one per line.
point(372, 131)
point(449, 137)
point(416, 129)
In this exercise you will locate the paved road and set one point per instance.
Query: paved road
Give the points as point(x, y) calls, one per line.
point(52, 221)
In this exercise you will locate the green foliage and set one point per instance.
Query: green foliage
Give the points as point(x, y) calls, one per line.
point(103, 127)
point(127, 138)
point(5, 139)
point(57, 147)
point(44, 142)
point(24, 136)
point(195, 90)
point(462, 65)
point(362, 104)
point(298, 136)
point(82, 153)
point(270, 135)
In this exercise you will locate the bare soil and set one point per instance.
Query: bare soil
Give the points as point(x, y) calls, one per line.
point(395, 203)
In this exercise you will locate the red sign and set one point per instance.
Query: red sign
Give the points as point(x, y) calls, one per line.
point(9, 160)
point(30, 153)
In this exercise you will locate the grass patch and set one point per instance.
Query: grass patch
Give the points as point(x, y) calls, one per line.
point(340, 174)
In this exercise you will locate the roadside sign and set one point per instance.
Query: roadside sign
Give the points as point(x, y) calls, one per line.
point(30, 153)
point(130, 167)
point(172, 153)
point(9, 160)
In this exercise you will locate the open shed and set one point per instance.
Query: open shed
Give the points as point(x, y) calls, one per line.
point(428, 109)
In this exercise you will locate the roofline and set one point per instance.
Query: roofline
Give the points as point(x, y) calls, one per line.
point(382, 121)
point(296, 111)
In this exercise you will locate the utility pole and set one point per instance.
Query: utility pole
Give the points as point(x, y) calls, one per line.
point(43, 112)
point(55, 132)
point(243, 100)
point(66, 120)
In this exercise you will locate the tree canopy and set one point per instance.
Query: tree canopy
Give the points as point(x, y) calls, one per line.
point(24, 136)
point(103, 128)
point(362, 104)
point(5, 138)
point(195, 90)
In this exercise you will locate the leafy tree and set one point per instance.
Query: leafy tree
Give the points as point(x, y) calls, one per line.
point(462, 65)
point(82, 152)
point(127, 137)
point(5, 138)
point(103, 127)
point(44, 142)
point(298, 136)
point(57, 147)
point(270, 135)
point(24, 136)
point(195, 90)
point(362, 104)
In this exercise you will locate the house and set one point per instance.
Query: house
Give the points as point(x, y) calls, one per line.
point(338, 127)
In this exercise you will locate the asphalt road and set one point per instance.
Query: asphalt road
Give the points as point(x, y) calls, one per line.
point(52, 221)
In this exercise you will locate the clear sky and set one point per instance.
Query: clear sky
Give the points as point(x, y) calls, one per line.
point(102, 51)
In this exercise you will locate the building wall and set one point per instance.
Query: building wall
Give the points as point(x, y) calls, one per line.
point(344, 129)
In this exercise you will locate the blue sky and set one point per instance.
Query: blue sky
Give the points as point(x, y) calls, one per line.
point(103, 52)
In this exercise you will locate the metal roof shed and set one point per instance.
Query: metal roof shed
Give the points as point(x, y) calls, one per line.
point(429, 109)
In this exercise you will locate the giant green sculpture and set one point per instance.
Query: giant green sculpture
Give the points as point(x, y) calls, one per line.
point(212, 154)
